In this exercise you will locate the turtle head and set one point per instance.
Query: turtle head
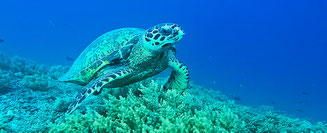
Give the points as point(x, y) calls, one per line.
point(162, 36)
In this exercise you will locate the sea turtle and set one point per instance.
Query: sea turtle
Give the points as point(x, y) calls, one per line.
point(125, 56)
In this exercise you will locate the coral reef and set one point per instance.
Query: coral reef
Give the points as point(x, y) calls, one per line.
point(27, 91)
point(32, 100)
point(18, 73)
point(198, 110)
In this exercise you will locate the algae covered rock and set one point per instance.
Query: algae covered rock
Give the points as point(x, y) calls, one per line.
point(57, 71)
point(61, 104)
point(36, 82)
point(16, 73)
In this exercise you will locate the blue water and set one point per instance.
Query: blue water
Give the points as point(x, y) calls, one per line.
point(270, 52)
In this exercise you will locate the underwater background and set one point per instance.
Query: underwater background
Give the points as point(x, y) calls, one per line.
point(256, 53)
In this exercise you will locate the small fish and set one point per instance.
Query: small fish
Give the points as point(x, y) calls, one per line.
point(213, 82)
point(305, 93)
point(236, 98)
point(1, 40)
point(70, 58)
point(210, 58)
point(51, 23)
point(300, 110)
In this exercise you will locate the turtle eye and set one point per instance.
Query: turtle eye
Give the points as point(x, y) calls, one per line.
point(165, 30)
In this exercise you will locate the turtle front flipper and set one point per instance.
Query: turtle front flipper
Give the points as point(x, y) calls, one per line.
point(179, 78)
point(95, 86)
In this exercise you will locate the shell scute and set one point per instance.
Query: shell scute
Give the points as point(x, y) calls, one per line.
point(108, 49)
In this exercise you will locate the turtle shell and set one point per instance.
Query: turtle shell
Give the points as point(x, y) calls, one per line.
point(108, 49)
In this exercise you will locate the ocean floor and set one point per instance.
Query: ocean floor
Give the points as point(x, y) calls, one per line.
point(32, 100)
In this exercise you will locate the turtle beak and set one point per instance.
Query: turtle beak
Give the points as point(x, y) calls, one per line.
point(181, 32)
point(178, 31)
point(178, 34)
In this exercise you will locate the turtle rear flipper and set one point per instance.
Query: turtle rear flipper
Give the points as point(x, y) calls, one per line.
point(96, 85)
